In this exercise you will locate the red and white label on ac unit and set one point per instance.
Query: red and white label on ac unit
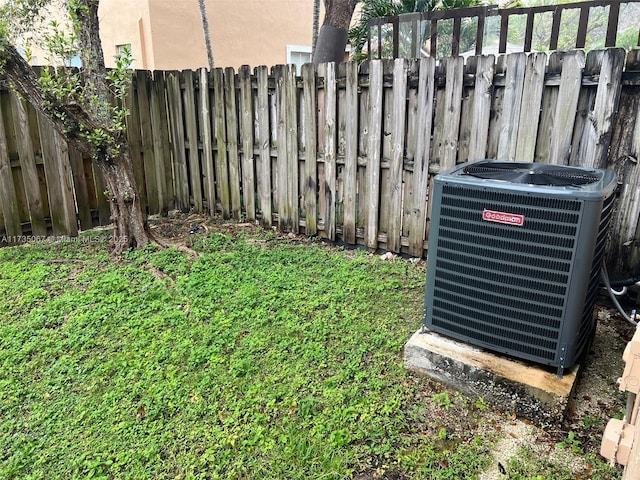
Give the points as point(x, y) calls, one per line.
point(503, 217)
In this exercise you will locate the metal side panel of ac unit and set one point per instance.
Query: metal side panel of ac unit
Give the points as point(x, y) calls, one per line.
point(512, 268)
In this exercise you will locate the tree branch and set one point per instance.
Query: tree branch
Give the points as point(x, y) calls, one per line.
point(69, 120)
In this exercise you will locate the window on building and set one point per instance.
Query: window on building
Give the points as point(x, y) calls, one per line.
point(74, 61)
point(298, 55)
point(122, 50)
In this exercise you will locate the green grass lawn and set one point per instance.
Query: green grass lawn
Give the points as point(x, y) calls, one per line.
point(261, 358)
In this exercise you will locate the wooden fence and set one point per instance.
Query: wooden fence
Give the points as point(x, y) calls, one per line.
point(347, 153)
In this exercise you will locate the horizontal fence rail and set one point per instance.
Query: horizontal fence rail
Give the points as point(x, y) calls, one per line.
point(490, 30)
point(347, 153)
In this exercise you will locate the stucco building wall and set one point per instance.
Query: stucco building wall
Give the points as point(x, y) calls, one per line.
point(167, 34)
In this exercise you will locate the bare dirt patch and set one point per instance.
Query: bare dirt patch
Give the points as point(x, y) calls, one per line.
point(597, 397)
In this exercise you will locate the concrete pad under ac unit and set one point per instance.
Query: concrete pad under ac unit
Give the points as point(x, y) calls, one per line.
point(530, 391)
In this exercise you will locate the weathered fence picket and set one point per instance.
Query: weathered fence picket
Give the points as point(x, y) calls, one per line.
point(565, 111)
point(624, 157)
point(264, 146)
point(532, 91)
point(29, 169)
point(178, 154)
point(398, 110)
point(191, 136)
point(232, 141)
point(160, 140)
point(418, 209)
point(101, 199)
point(247, 136)
point(596, 135)
point(328, 187)
point(206, 139)
point(134, 134)
point(512, 101)
point(310, 126)
point(346, 153)
point(349, 180)
point(448, 113)
point(481, 112)
point(143, 80)
point(57, 172)
point(222, 163)
point(10, 212)
point(372, 185)
point(81, 191)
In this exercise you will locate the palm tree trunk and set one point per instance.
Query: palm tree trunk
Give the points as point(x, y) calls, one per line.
point(333, 36)
point(316, 26)
point(207, 35)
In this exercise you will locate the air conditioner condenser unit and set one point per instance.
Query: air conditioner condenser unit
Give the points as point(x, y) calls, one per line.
point(515, 251)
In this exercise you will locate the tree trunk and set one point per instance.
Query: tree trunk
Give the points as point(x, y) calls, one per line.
point(129, 222)
point(334, 33)
point(73, 120)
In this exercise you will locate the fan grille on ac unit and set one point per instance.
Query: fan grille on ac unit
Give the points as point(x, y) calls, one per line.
point(532, 173)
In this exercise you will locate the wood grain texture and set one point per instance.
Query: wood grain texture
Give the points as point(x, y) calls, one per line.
point(349, 182)
point(565, 107)
point(264, 146)
point(230, 108)
point(191, 137)
point(398, 109)
point(247, 136)
point(372, 184)
point(530, 110)
point(29, 169)
point(8, 200)
point(310, 149)
point(178, 147)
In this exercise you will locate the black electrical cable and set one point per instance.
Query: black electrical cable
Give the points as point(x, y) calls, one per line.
point(626, 282)
point(604, 278)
